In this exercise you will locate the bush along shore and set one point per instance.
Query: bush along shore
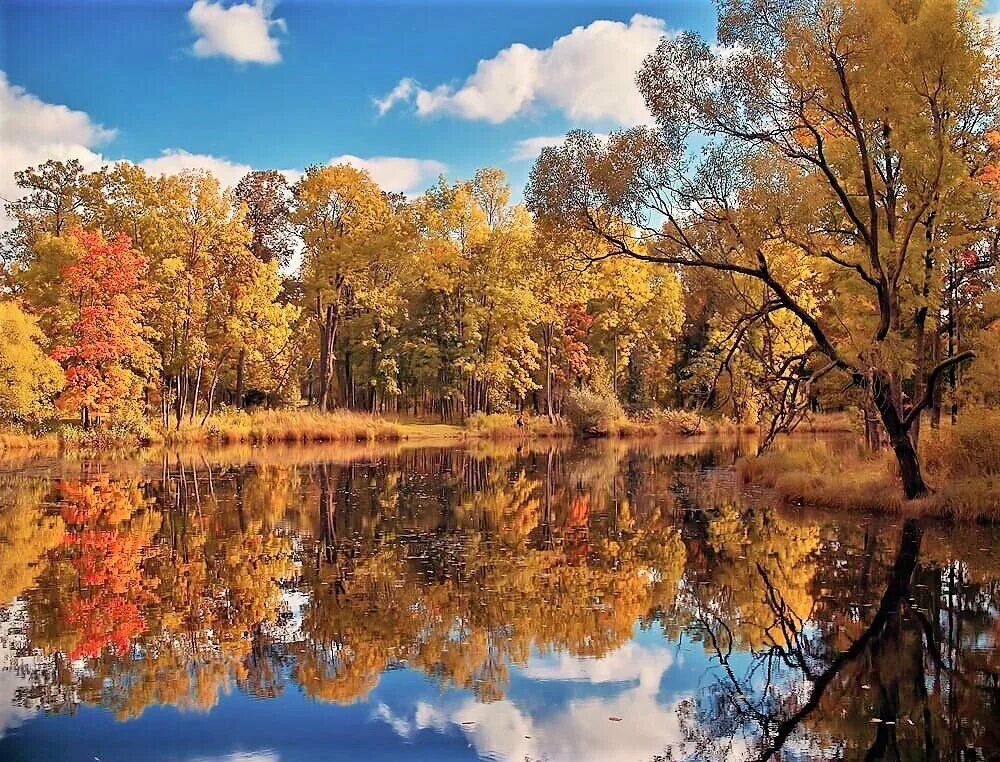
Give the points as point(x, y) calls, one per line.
point(962, 464)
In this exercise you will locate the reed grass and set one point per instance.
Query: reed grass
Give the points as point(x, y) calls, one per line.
point(263, 426)
point(961, 463)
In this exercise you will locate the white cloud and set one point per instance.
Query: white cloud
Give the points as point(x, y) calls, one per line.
point(33, 131)
point(578, 729)
point(393, 173)
point(631, 662)
point(243, 756)
point(529, 148)
point(174, 160)
point(589, 74)
point(242, 32)
point(401, 93)
point(396, 173)
point(14, 668)
point(31, 122)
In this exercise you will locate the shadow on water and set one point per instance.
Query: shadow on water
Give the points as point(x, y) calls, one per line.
point(604, 600)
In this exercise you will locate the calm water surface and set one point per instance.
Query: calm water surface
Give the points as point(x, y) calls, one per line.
point(590, 602)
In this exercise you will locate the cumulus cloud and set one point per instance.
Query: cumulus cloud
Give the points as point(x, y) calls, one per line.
point(33, 131)
point(243, 32)
point(529, 148)
point(396, 173)
point(393, 173)
point(579, 728)
point(588, 74)
point(174, 160)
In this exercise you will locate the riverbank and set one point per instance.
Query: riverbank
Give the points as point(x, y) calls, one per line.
point(961, 464)
point(311, 426)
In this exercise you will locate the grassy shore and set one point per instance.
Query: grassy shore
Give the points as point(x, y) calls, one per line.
point(309, 425)
point(961, 463)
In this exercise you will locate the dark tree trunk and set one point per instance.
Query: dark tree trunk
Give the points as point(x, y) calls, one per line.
point(548, 374)
point(899, 438)
point(241, 365)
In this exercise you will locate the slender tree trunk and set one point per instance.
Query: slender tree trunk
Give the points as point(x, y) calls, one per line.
point(547, 335)
point(241, 364)
point(328, 338)
point(197, 390)
point(614, 366)
point(181, 392)
point(921, 324)
point(935, 359)
point(211, 389)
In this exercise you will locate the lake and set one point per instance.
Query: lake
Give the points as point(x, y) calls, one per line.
point(550, 601)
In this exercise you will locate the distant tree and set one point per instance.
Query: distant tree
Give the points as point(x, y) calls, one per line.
point(267, 198)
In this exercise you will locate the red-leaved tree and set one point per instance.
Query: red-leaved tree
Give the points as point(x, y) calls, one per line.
point(109, 355)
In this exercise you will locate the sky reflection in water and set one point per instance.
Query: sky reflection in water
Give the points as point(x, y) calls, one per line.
point(589, 602)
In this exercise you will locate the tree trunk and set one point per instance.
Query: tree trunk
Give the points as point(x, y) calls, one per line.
point(197, 390)
point(328, 338)
point(241, 365)
point(548, 373)
point(899, 437)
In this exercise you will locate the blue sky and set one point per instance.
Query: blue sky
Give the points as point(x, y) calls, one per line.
point(288, 84)
point(237, 85)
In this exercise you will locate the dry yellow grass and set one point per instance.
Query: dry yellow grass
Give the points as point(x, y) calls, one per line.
point(504, 426)
point(961, 463)
point(262, 426)
point(14, 439)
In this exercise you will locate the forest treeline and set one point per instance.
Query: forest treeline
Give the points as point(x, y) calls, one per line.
point(168, 296)
point(811, 220)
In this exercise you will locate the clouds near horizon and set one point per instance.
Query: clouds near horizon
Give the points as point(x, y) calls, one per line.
point(33, 131)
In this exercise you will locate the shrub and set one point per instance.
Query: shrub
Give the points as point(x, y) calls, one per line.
point(594, 414)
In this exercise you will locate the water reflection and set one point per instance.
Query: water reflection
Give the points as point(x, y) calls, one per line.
point(589, 602)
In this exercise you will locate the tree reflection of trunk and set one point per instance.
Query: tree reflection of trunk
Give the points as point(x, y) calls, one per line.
point(897, 591)
point(328, 497)
point(327, 516)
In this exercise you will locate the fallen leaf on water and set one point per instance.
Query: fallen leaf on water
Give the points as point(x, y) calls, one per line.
point(615, 719)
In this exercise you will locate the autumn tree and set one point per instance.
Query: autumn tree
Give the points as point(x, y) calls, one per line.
point(838, 134)
point(109, 359)
point(29, 379)
point(350, 237)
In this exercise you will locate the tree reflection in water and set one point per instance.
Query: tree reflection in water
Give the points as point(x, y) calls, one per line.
point(178, 581)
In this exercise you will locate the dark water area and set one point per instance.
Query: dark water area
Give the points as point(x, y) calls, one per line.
point(603, 601)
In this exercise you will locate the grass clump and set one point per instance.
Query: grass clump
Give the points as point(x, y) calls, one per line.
point(21, 438)
point(262, 426)
point(961, 463)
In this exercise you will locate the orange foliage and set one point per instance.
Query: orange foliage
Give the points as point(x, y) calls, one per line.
point(107, 281)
